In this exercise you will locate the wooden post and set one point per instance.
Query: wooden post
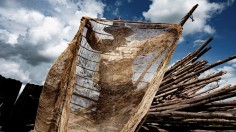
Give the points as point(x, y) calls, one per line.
point(189, 14)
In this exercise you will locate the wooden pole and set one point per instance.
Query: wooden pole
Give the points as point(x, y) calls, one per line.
point(187, 16)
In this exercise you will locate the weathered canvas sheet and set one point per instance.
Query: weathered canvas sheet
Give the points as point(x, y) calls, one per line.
point(119, 68)
point(106, 79)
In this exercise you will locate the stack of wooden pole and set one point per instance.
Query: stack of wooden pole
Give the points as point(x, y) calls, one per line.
point(178, 104)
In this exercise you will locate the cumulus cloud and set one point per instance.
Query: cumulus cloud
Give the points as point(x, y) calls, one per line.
point(10, 38)
point(33, 34)
point(230, 77)
point(198, 42)
point(169, 11)
point(118, 3)
point(9, 68)
point(129, 1)
point(232, 62)
point(226, 79)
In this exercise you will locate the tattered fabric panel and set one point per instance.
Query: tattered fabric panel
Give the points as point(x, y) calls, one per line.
point(120, 65)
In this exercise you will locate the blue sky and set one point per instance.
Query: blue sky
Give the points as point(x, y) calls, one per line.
point(34, 33)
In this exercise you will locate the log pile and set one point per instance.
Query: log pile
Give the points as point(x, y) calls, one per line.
point(178, 104)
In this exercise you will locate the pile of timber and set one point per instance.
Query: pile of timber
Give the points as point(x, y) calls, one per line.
point(178, 104)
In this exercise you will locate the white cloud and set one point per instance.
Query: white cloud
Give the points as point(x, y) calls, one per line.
point(170, 11)
point(230, 2)
point(129, 1)
point(181, 39)
point(230, 76)
point(226, 79)
point(115, 12)
point(118, 3)
point(91, 7)
point(46, 31)
point(53, 51)
point(10, 38)
point(19, 22)
point(198, 42)
point(13, 70)
point(208, 29)
point(232, 63)
point(33, 36)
